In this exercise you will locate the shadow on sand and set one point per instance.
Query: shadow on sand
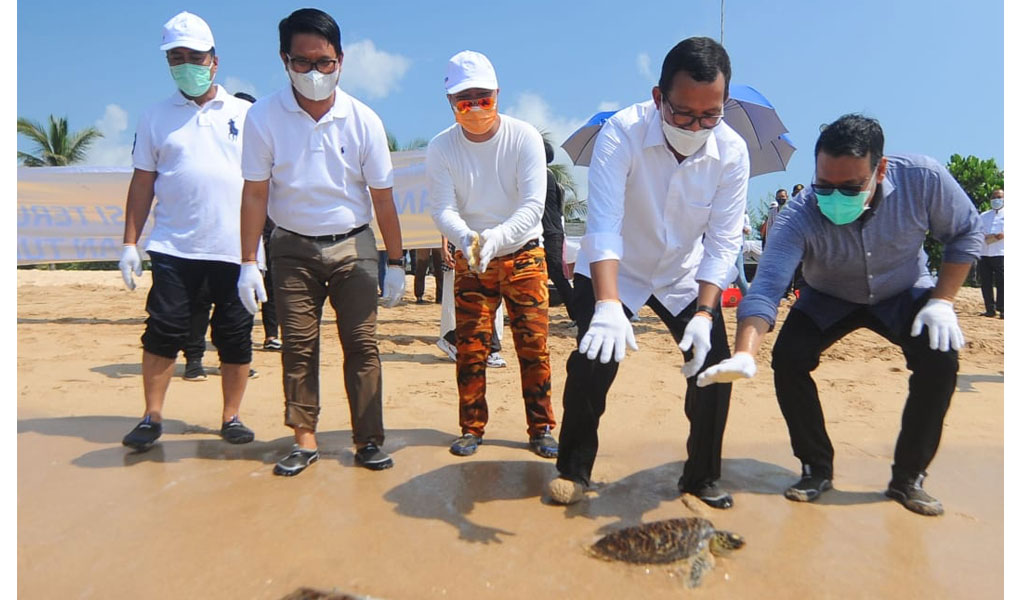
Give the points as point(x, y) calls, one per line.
point(450, 493)
point(336, 445)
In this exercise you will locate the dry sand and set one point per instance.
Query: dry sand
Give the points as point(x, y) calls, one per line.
point(197, 518)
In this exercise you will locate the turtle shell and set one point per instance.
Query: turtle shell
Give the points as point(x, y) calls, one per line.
point(656, 542)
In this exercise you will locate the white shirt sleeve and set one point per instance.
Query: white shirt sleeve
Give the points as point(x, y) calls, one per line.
point(607, 183)
point(442, 195)
point(376, 164)
point(256, 152)
point(143, 154)
point(531, 183)
point(724, 236)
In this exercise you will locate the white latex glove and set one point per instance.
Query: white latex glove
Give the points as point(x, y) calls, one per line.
point(943, 328)
point(250, 287)
point(393, 287)
point(491, 241)
point(130, 263)
point(699, 334)
point(469, 246)
point(610, 331)
point(740, 366)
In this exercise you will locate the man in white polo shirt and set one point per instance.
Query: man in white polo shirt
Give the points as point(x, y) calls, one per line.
point(487, 186)
point(990, 263)
point(188, 154)
point(667, 192)
point(318, 160)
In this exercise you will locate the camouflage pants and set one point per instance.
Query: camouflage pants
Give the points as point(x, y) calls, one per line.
point(520, 279)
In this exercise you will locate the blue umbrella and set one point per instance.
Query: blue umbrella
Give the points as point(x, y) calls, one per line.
point(748, 112)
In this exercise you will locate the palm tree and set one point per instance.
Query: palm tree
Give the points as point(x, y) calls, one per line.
point(55, 147)
point(574, 209)
point(415, 144)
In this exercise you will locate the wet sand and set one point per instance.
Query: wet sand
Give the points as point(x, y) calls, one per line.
point(197, 518)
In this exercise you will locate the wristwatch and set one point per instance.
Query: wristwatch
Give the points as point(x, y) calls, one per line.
point(397, 262)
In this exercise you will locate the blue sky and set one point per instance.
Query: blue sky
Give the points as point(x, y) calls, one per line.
point(931, 71)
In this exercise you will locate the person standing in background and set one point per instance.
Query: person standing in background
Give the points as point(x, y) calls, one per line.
point(991, 263)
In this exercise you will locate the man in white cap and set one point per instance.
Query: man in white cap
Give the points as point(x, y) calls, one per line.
point(188, 153)
point(487, 185)
point(318, 161)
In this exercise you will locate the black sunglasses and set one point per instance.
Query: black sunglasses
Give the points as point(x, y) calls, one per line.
point(823, 189)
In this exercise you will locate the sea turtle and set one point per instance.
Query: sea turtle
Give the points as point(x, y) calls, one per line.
point(689, 542)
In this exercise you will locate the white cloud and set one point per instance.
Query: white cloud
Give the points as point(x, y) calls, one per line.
point(236, 84)
point(371, 72)
point(113, 149)
point(534, 109)
point(608, 105)
point(644, 65)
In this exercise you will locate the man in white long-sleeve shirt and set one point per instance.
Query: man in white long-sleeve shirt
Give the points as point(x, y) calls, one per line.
point(487, 185)
point(667, 194)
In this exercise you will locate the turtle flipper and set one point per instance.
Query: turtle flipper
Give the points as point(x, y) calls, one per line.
point(701, 563)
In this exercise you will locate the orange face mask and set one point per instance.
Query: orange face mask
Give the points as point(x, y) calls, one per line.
point(477, 120)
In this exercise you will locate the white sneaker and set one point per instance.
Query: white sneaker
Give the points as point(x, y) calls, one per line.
point(495, 361)
point(448, 348)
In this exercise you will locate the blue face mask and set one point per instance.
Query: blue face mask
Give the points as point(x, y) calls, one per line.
point(842, 208)
point(193, 80)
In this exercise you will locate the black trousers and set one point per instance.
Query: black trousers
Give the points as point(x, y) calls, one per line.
point(992, 274)
point(194, 349)
point(270, 322)
point(588, 382)
point(932, 382)
point(554, 264)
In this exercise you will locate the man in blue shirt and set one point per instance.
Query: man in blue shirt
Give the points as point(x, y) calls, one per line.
point(859, 233)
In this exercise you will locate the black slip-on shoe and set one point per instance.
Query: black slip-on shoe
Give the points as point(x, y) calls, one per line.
point(544, 445)
point(144, 435)
point(465, 445)
point(298, 460)
point(194, 371)
point(235, 432)
point(711, 494)
point(911, 495)
point(372, 457)
point(810, 486)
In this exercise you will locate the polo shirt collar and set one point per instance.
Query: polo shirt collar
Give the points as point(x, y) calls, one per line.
point(655, 137)
point(179, 99)
point(340, 109)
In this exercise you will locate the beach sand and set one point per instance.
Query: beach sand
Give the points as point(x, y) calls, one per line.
point(198, 518)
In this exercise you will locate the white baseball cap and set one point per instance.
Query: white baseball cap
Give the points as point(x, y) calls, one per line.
point(186, 30)
point(468, 70)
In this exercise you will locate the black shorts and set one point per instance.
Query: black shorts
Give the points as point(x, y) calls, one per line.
point(177, 292)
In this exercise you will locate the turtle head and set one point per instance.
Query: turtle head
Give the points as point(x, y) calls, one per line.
point(724, 542)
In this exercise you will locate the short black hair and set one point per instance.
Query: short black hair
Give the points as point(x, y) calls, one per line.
point(309, 20)
point(852, 135)
point(245, 96)
point(549, 152)
point(781, 190)
point(701, 57)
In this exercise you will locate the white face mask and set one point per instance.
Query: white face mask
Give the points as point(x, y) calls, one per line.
point(685, 142)
point(998, 203)
point(313, 84)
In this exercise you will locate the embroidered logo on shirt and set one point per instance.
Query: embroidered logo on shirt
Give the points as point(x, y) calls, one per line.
point(233, 129)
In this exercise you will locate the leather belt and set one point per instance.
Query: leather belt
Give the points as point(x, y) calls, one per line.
point(335, 237)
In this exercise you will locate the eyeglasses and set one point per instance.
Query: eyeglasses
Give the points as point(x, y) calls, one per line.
point(303, 65)
point(824, 189)
point(463, 106)
point(686, 120)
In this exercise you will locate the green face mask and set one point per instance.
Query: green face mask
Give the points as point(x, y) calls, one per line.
point(842, 208)
point(193, 80)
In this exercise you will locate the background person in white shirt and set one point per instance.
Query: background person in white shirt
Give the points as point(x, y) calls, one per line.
point(318, 161)
point(991, 263)
point(667, 196)
point(188, 153)
point(487, 182)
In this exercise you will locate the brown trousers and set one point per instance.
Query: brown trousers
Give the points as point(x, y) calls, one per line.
point(305, 273)
point(520, 279)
